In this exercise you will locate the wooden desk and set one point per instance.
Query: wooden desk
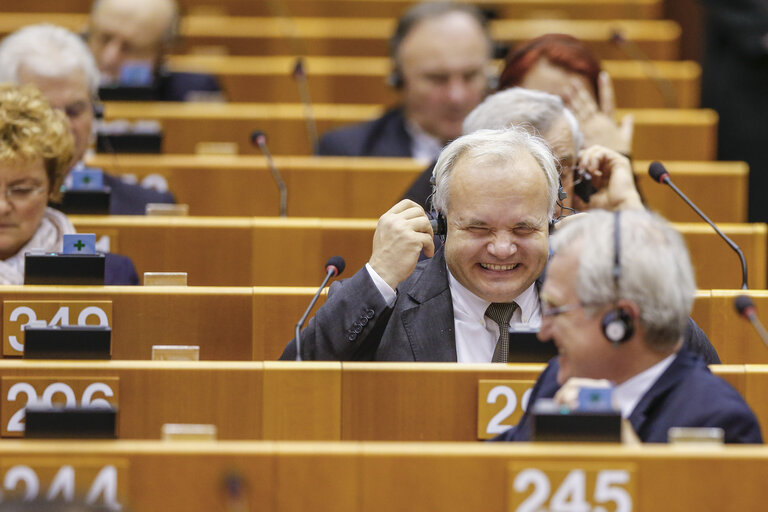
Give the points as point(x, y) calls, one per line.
point(363, 79)
point(242, 35)
point(661, 134)
point(737, 339)
point(241, 185)
point(264, 251)
point(582, 9)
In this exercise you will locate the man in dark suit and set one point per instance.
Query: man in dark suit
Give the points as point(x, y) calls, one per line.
point(60, 65)
point(616, 300)
point(440, 58)
point(131, 37)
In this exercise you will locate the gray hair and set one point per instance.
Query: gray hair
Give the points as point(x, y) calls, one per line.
point(534, 110)
point(171, 31)
point(506, 144)
point(655, 269)
point(49, 51)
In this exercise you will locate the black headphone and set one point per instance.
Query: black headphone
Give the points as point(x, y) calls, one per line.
point(617, 324)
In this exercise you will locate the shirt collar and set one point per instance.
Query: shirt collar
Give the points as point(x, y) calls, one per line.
point(628, 393)
point(423, 145)
point(471, 307)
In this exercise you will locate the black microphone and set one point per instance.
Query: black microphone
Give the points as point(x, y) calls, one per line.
point(300, 75)
point(659, 173)
point(259, 140)
point(634, 52)
point(333, 267)
point(746, 308)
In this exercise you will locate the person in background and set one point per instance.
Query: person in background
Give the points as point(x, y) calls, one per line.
point(57, 62)
point(131, 37)
point(440, 63)
point(36, 149)
point(562, 65)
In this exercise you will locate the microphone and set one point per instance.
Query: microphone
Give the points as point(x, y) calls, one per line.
point(333, 267)
point(634, 52)
point(300, 75)
point(746, 308)
point(659, 173)
point(259, 140)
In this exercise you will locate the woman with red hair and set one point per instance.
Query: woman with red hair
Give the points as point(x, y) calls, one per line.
point(561, 64)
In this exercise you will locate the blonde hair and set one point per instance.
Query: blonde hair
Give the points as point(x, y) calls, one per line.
point(31, 130)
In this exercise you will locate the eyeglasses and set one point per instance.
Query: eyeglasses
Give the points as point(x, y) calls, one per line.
point(548, 310)
point(20, 193)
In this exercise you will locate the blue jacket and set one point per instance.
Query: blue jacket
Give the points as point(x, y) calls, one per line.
point(686, 395)
point(385, 136)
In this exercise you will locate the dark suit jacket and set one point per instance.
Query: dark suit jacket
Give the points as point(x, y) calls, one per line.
point(129, 199)
point(686, 395)
point(176, 85)
point(385, 136)
point(355, 323)
point(119, 270)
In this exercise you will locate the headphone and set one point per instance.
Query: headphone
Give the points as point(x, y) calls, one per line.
point(617, 324)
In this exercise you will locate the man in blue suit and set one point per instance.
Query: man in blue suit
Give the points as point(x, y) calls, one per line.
point(58, 62)
point(615, 301)
point(440, 63)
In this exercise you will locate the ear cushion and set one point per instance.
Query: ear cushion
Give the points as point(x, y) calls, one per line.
point(617, 326)
point(395, 79)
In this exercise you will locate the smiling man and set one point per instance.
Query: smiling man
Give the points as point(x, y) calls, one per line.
point(496, 191)
point(616, 300)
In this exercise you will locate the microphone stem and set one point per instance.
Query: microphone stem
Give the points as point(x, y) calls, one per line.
point(278, 179)
point(330, 273)
point(717, 230)
point(758, 325)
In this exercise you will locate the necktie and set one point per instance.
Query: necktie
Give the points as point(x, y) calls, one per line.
point(501, 312)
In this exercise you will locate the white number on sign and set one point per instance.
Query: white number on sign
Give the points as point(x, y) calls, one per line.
point(103, 489)
point(571, 495)
point(15, 424)
point(495, 426)
point(61, 317)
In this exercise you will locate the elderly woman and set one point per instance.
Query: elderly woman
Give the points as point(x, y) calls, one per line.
point(562, 65)
point(36, 151)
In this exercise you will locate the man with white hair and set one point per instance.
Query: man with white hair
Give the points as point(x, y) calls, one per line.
point(60, 65)
point(616, 300)
point(130, 33)
point(496, 192)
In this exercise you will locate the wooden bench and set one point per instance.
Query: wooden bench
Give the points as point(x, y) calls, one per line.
point(363, 79)
point(242, 185)
point(243, 35)
point(661, 134)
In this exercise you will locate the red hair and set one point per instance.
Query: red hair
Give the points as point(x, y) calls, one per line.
point(560, 49)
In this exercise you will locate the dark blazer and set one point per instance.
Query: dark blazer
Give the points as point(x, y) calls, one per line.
point(385, 136)
point(119, 270)
point(176, 86)
point(130, 199)
point(355, 323)
point(686, 395)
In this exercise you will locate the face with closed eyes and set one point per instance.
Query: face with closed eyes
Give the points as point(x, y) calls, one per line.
point(24, 192)
point(497, 240)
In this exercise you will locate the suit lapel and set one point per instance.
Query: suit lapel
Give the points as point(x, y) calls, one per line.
point(648, 403)
point(428, 321)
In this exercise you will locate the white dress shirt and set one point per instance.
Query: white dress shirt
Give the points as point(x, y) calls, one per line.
point(424, 146)
point(476, 335)
point(628, 393)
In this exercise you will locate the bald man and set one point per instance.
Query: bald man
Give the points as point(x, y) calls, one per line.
point(440, 59)
point(129, 35)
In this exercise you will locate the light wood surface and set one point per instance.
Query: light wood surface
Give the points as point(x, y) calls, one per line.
point(363, 79)
point(314, 400)
point(343, 187)
point(581, 9)
point(243, 35)
point(737, 339)
point(661, 134)
point(268, 251)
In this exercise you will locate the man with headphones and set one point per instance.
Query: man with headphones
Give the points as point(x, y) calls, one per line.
point(616, 301)
point(129, 39)
point(440, 64)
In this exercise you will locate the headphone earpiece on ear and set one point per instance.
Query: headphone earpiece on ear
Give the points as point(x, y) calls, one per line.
point(561, 193)
point(395, 79)
point(617, 326)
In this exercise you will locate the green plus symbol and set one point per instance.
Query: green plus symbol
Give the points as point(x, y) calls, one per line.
point(79, 245)
point(86, 179)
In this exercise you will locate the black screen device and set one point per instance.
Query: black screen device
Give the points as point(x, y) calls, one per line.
point(68, 342)
point(43, 422)
point(129, 93)
point(57, 268)
point(555, 423)
point(142, 143)
point(85, 202)
point(525, 347)
point(582, 184)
